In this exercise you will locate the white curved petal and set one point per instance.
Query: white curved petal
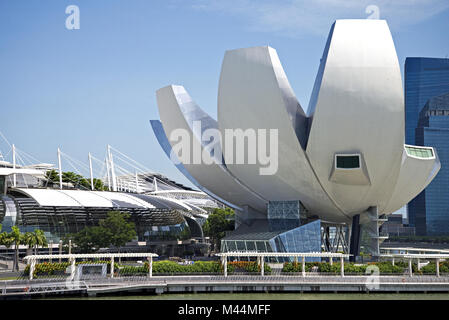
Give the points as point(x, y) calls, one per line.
point(178, 111)
point(414, 176)
point(357, 107)
point(254, 93)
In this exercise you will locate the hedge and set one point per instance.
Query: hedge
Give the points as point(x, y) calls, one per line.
point(248, 266)
point(47, 268)
point(325, 267)
point(172, 267)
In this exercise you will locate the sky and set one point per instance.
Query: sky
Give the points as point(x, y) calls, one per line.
point(85, 88)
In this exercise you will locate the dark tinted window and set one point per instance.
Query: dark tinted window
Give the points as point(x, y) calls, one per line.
point(348, 162)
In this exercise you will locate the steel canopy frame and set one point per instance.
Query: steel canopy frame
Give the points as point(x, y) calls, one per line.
point(72, 258)
point(262, 255)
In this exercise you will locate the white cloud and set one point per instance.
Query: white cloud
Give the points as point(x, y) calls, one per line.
point(301, 17)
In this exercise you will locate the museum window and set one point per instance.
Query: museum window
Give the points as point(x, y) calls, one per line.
point(348, 161)
point(419, 152)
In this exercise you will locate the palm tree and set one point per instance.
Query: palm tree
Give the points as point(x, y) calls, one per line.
point(6, 240)
point(40, 239)
point(30, 240)
point(14, 237)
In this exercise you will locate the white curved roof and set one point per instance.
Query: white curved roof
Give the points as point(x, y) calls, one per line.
point(415, 174)
point(358, 107)
point(11, 171)
point(253, 85)
point(80, 198)
point(178, 111)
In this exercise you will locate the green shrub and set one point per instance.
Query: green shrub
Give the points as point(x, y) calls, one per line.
point(329, 268)
point(388, 267)
point(172, 267)
point(431, 268)
point(297, 266)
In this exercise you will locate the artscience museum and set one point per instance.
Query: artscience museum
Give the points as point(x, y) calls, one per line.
point(341, 167)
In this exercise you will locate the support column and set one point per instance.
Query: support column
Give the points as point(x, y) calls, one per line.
point(392, 261)
point(354, 248)
point(59, 169)
point(410, 269)
point(225, 266)
point(112, 267)
point(262, 266)
point(437, 266)
point(303, 266)
point(60, 250)
point(92, 187)
point(342, 266)
point(331, 261)
point(109, 177)
point(150, 267)
point(111, 164)
point(51, 249)
point(14, 182)
point(72, 264)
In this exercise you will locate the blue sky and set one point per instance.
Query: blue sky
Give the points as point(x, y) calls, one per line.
point(84, 89)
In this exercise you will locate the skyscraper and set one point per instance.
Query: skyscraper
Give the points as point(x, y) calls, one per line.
point(425, 78)
point(430, 209)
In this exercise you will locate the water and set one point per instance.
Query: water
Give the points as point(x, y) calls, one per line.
point(271, 296)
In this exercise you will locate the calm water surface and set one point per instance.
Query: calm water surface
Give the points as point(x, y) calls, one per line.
point(273, 296)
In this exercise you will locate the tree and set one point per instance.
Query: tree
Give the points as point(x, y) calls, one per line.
point(216, 225)
point(98, 185)
point(72, 178)
point(118, 229)
point(52, 175)
point(40, 239)
point(14, 237)
point(75, 179)
point(29, 240)
point(90, 239)
point(115, 230)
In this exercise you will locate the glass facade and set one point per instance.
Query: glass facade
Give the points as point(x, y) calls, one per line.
point(2, 184)
point(424, 78)
point(305, 238)
point(429, 211)
point(284, 215)
point(163, 224)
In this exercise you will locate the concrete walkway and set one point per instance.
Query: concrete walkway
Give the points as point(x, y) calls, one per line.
point(244, 283)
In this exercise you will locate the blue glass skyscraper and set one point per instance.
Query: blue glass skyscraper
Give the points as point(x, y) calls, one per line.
point(425, 78)
point(430, 209)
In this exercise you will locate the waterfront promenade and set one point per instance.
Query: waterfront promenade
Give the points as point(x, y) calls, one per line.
point(232, 283)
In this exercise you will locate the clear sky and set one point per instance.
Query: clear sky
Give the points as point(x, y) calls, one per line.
point(83, 89)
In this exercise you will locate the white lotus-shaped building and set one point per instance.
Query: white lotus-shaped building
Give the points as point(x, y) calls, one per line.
point(345, 157)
